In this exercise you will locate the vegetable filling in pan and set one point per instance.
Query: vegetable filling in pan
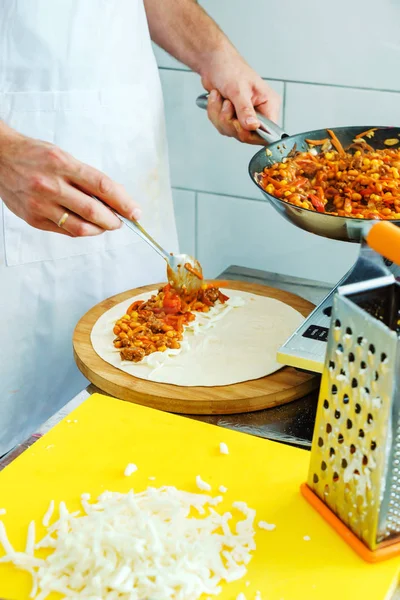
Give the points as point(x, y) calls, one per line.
point(358, 182)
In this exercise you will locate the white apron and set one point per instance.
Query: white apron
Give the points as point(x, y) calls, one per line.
point(80, 74)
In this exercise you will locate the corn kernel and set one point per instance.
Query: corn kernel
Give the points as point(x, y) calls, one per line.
point(293, 189)
point(287, 193)
point(356, 196)
point(366, 161)
point(282, 166)
point(162, 348)
point(374, 162)
point(305, 204)
point(270, 188)
point(329, 155)
point(357, 153)
point(395, 172)
point(386, 212)
point(375, 176)
point(284, 182)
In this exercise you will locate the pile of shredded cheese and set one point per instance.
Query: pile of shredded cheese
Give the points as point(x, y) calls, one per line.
point(162, 543)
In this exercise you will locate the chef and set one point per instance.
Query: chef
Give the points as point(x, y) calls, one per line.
point(81, 115)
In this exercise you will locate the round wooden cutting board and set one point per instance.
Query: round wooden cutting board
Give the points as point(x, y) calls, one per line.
point(279, 388)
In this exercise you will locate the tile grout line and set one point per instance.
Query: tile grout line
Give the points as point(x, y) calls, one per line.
point(210, 193)
point(196, 227)
point(300, 82)
point(284, 106)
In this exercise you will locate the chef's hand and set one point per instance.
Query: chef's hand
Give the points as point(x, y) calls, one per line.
point(40, 183)
point(236, 91)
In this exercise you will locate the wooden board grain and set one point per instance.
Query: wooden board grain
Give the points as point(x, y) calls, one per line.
point(279, 388)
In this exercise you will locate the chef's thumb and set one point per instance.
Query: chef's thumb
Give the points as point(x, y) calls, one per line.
point(245, 112)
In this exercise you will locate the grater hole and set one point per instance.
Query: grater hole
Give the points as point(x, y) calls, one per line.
point(335, 477)
point(337, 414)
point(343, 372)
point(371, 349)
point(328, 428)
point(315, 478)
point(320, 442)
point(326, 490)
point(332, 365)
point(365, 460)
point(366, 390)
point(334, 389)
point(340, 439)
point(352, 358)
point(361, 433)
point(349, 331)
point(356, 472)
point(352, 449)
point(331, 452)
point(383, 357)
point(323, 465)
point(360, 340)
point(338, 323)
point(370, 418)
point(363, 365)
point(326, 404)
point(340, 347)
point(354, 383)
point(376, 376)
point(357, 408)
point(344, 463)
point(373, 445)
point(346, 399)
point(349, 424)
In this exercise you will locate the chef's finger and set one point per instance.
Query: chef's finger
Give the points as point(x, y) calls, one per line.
point(214, 108)
point(88, 208)
point(271, 108)
point(95, 182)
point(47, 225)
point(247, 137)
point(245, 111)
point(72, 223)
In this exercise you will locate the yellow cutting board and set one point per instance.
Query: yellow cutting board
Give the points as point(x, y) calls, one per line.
point(88, 452)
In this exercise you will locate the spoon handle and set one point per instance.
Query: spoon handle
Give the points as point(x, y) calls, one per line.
point(140, 231)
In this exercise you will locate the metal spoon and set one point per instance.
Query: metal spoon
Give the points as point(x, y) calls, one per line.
point(183, 271)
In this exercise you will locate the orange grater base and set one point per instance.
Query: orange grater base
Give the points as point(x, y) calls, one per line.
point(371, 556)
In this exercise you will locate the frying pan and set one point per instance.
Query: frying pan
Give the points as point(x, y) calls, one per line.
point(280, 145)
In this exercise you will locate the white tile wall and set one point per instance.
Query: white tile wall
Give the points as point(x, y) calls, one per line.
point(252, 234)
point(319, 55)
point(201, 158)
point(318, 106)
point(185, 211)
point(354, 43)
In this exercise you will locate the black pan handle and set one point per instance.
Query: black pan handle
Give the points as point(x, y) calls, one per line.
point(269, 131)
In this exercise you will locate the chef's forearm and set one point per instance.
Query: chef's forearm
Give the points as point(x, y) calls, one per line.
point(186, 31)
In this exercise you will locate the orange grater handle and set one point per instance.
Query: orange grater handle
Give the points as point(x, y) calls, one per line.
point(384, 238)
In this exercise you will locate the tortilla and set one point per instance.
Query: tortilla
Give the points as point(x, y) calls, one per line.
point(236, 341)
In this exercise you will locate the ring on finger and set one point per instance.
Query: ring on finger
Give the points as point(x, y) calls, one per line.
point(63, 219)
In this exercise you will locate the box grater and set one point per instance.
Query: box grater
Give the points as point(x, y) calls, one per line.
point(355, 457)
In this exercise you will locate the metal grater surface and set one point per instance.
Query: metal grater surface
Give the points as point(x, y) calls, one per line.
point(355, 458)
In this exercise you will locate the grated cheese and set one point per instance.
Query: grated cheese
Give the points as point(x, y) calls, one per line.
point(223, 489)
point(202, 485)
point(223, 448)
point(133, 546)
point(130, 469)
point(2, 511)
point(241, 596)
point(266, 526)
point(306, 538)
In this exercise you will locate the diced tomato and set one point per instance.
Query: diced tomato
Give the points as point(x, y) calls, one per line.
point(317, 203)
point(172, 303)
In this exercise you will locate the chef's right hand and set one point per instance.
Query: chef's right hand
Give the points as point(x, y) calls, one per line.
point(40, 183)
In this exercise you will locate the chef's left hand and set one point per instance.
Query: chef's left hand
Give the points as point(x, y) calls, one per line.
point(236, 90)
